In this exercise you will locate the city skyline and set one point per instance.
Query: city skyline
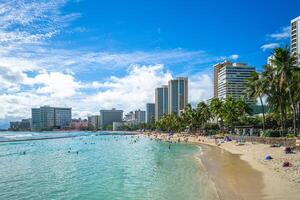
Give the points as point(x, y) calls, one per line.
point(90, 61)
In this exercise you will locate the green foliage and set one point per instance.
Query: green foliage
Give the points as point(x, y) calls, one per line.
point(290, 135)
point(271, 133)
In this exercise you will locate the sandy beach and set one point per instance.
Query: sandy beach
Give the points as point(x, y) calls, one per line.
point(241, 172)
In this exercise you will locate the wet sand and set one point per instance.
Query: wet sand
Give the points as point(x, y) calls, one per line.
point(234, 178)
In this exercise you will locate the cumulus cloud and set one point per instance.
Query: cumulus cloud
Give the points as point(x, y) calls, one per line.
point(269, 46)
point(132, 91)
point(200, 87)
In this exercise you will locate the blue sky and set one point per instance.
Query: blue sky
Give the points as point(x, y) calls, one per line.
point(101, 54)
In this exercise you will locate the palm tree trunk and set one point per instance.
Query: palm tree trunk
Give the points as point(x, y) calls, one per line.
point(263, 112)
point(281, 120)
point(294, 113)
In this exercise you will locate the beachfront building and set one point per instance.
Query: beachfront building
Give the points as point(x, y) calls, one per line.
point(295, 39)
point(94, 122)
point(110, 116)
point(161, 101)
point(231, 80)
point(150, 112)
point(23, 125)
point(79, 124)
point(178, 95)
point(49, 118)
point(63, 117)
point(140, 116)
point(36, 119)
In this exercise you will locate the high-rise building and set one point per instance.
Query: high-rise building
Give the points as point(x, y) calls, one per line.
point(231, 79)
point(161, 101)
point(150, 112)
point(63, 117)
point(94, 122)
point(110, 116)
point(178, 95)
point(217, 68)
point(295, 38)
point(36, 124)
point(48, 118)
point(140, 116)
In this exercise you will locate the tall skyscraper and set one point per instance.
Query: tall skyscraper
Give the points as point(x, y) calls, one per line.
point(161, 101)
point(295, 38)
point(231, 79)
point(217, 68)
point(140, 116)
point(150, 112)
point(178, 95)
point(109, 116)
point(48, 118)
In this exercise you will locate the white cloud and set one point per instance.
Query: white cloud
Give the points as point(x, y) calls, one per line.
point(283, 34)
point(133, 90)
point(200, 87)
point(234, 56)
point(55, 84)
point(269, 46)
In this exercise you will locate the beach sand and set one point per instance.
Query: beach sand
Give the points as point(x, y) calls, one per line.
point(240, 172)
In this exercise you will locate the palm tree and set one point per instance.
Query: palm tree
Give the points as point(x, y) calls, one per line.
point(283, 64)
point(204, 113)
point(255, 90)
point(187, 117)
point(216, 111)
point(233, 109)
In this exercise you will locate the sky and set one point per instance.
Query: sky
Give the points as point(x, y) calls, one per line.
point(102, 54)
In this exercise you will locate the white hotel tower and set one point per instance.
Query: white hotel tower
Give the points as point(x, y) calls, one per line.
point(295, 38)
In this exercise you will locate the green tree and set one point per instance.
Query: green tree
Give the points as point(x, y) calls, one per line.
point(216, 111)
point(255, 90)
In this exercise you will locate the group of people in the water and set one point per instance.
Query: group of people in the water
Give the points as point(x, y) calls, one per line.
point(133, 139)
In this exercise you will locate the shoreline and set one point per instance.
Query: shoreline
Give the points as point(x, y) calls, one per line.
point(258, 179)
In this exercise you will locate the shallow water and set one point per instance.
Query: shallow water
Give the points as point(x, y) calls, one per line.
point(106, 167)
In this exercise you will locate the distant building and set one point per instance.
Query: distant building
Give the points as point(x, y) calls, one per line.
point(231, 80)
point(94, 122)
point(23, 125)
point(63, 117)
point(110, 116)
point(295, 38)
point(49, 118)
point(161, 101)
point(36, 121)
point(140, 116)
point(79, 124)
point(178, 95)
point(150, 112)
point(130, 117)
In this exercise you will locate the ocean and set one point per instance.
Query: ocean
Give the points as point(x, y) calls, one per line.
point(98, 166)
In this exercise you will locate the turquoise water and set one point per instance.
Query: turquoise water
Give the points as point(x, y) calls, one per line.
point(105, 167)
